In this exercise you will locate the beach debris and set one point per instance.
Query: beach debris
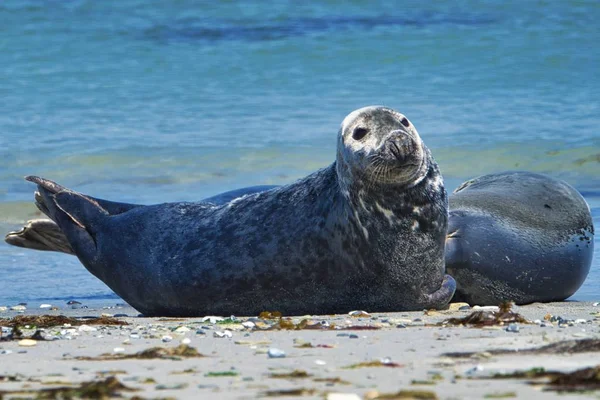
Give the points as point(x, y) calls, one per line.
point(359, 314)
point(47, 321)
point(275, 353)
point(332, 381)
point(219, 374)
point(166, 339)
point(223, 334)
point(584, 379)
point(500, 395)
point(27, 343)
point(488, 316)
point(171, 386)
point(512, 328)
point(171, 353)
point(402, 394)
point(384, 362)
point(562, 347)
point(295, 374)
point(290, 392)
point(212, 319)
point(459, 306)
point(110, 387)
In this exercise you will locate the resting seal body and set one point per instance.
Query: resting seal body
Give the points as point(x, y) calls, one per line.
point(367, 232)
point(518, 236)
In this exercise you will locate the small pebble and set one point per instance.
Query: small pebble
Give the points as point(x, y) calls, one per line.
point(359, 314)
point(343, 334)
point(474, 371)
point(486, 308)
point(580, 321)
point(27, 343)
point(275, 353)
point(353, 336)
point(225, 333)
point(134, 336)
point(166, 339)
point(400, 326)
point(512, 328)
point(342, 396)
point(248, 324)
point(5, 351)
point(200, 332)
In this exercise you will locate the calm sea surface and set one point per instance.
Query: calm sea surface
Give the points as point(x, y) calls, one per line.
point(155, 101)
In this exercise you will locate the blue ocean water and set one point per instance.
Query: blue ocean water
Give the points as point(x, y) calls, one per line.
point(152, 101)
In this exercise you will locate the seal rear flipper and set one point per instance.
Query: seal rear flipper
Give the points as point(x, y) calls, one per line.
point(77, 217)
point(111, 207)
point(40, 234)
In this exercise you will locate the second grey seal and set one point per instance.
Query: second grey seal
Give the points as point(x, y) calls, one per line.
point(367, 232)
point(518, 236)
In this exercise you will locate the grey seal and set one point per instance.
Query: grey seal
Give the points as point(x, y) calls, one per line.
point(366, 232)
point(518, 236)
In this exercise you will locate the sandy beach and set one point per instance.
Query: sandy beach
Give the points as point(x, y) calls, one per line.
point(360, 356)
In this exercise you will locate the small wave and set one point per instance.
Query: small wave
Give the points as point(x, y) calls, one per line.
point(202, 30)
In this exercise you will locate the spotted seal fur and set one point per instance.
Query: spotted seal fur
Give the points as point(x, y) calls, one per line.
point(366, 232)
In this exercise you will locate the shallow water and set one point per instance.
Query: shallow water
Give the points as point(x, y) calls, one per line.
point(163, 101)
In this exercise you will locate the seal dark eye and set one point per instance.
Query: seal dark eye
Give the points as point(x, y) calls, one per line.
point(359, 133)
point(405, 122)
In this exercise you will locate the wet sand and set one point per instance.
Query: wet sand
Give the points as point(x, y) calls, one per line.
point(395, 352)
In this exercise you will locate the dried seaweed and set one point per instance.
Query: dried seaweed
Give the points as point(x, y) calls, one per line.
point(584, 379)
point(376, 363)
point(290, 392)
point(47, 321)
point(165, 353)
point(295, 374)
point(562, 347)
point(109, 388)
point(404, 395)
point(503, 316)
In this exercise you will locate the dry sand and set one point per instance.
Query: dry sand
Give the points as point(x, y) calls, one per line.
point(237, 367)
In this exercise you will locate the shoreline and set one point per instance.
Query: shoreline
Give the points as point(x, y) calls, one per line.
point(381, 353)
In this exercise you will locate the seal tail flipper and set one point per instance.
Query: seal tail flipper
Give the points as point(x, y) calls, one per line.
point(77, 216)
point(40, 234)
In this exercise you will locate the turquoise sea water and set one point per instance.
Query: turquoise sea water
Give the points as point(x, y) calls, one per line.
point(153, 101)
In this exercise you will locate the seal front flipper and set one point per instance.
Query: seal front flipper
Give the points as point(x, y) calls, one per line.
point(441, 297)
